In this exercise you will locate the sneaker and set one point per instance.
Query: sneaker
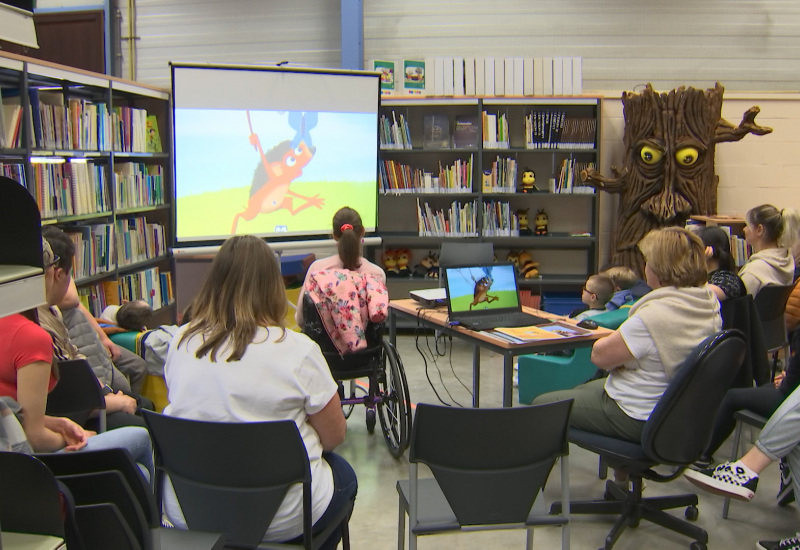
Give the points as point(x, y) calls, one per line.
point(786, 491)
point(702, 463)
point(728, 479)
point(792, 543)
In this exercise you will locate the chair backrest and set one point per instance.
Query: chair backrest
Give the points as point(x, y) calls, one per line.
point(77, 394)
point(88, 462)
point(18, 210)
point(490, 463)
point(771, 304)
point(231, 478)
point(29, 496)
point(741, 314)
point(679, 427)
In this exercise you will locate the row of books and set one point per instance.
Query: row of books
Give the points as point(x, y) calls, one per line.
point(502, 178)
point(402, 178)
point(99, 248)
point(394, 132)
point(499, 220)
point(458, 220)
point(57, 123)
point(481, 76)
point(96, 297)
point(569, 177)
point(69, 189)
point(137, 184)
point(495, 131)
point(554, 130)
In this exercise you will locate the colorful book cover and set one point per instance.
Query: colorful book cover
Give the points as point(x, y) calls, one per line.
point(544, 332)
point(153, 137)
point(386, 68)
point(413, 77)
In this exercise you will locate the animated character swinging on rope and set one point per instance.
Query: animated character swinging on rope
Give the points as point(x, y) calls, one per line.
point(481, 292)
point(277, 170)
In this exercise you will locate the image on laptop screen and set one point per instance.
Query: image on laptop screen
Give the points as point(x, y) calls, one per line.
point(477, 288)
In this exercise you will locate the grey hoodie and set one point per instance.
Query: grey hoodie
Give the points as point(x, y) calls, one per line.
point(772, 266)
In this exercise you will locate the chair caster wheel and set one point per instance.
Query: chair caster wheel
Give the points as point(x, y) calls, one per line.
point(691, 514)
point(370, 421)
point(697, 546)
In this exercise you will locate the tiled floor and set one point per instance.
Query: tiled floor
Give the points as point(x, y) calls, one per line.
point(374, 522)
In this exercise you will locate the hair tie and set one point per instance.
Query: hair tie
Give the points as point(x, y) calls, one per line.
point(345, 227)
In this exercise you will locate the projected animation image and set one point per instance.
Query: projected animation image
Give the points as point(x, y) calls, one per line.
point(278, 169)
point(268, 172)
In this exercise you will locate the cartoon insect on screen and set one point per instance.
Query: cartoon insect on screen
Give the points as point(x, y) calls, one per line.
point(278, 168)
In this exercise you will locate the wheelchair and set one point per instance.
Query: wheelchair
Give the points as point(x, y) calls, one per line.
point(386, 396)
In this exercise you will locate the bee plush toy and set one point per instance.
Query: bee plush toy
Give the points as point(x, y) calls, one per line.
point(522, 221)
point(528, 181)
point(540, 223)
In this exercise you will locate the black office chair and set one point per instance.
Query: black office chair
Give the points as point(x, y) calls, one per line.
point(771, 304)
point(132, 491)
point(78, 394)
point(675, 434)
point(30, 498)
point(236, 485)
point(489, 468)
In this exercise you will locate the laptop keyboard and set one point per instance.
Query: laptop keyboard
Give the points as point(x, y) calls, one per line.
point(505, 320)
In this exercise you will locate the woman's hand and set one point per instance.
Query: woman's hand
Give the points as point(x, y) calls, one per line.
point(116, 402)
point(74, 436)
point(779, 379)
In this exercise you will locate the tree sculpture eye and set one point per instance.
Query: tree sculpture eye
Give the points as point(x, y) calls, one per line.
point(651, 155)
point(687, 156)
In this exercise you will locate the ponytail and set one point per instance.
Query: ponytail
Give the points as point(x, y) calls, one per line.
point(790, 219)
point(348, 230)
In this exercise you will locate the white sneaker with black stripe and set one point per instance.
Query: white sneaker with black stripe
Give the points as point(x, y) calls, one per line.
point(728, 479)
point(792, 543)
point(786, 490)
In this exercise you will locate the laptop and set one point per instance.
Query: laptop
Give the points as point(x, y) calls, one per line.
point(485, 296)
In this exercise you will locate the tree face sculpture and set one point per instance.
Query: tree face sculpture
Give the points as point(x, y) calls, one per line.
point(670, 141)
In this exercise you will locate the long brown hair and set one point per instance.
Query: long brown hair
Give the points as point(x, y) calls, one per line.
point(348, 231)
point(242, 292)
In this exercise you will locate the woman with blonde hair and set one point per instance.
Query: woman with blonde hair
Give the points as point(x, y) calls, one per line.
point(643, 354)
point(772, 233)
point(236, 362)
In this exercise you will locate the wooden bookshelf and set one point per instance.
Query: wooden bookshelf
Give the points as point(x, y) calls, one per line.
point(78, 141)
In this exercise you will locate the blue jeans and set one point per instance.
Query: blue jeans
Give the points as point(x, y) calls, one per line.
point(345, 487)
point(135, 440)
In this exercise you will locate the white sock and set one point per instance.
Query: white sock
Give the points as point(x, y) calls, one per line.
point(748, 471)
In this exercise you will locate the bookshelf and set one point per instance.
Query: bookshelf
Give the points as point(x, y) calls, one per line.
point(78, 142)
point(469, 188)
point(734, 227)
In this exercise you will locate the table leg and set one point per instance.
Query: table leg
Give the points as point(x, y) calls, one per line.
point(508, 378)
point(392, 327)
point(476, 376)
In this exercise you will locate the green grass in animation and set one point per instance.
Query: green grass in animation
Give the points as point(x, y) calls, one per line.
point(508, 298)
point(212, 213)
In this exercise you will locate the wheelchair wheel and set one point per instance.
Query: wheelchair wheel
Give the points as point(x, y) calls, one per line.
point(394, 407)
point(348, 409)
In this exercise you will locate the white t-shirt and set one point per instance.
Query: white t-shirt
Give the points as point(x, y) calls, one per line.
point(110, 314)
point(334, 262)
point(286, 380)
point(639, 384)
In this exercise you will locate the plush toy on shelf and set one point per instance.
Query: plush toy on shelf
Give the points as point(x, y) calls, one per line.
point(390, 262)
point(528, 269)
point(528, 181)
point(428, 266)
point(522, 221)
point(540, 223)
point(403, 258)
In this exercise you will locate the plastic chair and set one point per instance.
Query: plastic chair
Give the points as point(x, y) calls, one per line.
point(484, 478)
point(77, 394)
point(236, 492)
point(691, 399)
point(31, 498)
point(771, 303)
point(137, 487)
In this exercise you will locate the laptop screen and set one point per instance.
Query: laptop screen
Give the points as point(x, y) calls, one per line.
point(483, 287)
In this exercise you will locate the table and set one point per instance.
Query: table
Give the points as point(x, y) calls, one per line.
point(436, 318)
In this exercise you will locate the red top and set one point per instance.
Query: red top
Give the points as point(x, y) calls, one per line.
point(22, 342)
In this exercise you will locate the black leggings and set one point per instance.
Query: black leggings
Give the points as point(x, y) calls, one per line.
point(762, 400)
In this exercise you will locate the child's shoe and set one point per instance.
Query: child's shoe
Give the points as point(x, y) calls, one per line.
point(729, 479)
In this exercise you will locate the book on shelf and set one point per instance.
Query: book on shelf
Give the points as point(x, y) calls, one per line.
point(153, 136)
point(547, 76)
point(577, 75)
point(436, 131)
point(538, 76)
point(413, 77)
point(488, 74)
point(449, 76)
point(480, 76)
point(469, 76)
point(458, 76)
point(499, 76)
point(386, 68)
point(438, 76)
point(430, 76)
point(558, 75)
point(566, 75)
point(467, 132)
